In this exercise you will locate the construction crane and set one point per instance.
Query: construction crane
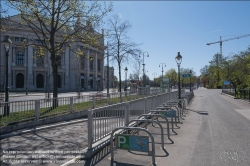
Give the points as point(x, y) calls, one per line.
point(227, 40)
point(217, 61)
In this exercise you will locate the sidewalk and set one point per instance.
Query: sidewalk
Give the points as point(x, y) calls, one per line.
point(54, 145)
point(59, 145)
point(177, 154)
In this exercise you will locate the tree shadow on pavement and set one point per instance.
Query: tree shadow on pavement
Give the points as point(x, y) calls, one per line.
point(98, 157)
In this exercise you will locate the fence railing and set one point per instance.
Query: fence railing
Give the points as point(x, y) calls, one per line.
point(101, 121)
point(242, 93)
point(20, 111)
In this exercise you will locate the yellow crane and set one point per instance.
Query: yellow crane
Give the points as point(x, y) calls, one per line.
point(227, 40)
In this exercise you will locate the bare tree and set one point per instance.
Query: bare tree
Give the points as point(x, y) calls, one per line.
point(121, 48)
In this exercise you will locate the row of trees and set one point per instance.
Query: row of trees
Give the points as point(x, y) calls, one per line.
point(171, 74)
point(234, 68)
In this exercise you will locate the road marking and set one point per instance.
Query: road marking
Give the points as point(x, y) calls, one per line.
point(244, 112)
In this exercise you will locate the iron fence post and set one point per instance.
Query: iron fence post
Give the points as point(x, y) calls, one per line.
point(37, 109)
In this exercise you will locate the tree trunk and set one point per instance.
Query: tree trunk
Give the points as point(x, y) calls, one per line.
point(120, 82)
point(55, 81)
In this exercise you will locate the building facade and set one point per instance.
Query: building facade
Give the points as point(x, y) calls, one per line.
point(27, 70)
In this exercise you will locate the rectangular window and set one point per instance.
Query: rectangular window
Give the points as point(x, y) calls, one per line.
point(16, 39)
point(20, 58)
point(38, 41)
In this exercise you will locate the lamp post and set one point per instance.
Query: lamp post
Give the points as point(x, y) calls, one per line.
point(107, 70)
point(144, 67)
point(190, 80)
point(126, 71)
point(7, 42)
point(26, 79)
point(178, 60)
point(154, 76)
point(161, 65)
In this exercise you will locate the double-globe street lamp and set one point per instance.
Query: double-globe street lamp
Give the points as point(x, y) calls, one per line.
point(178, 60)
point(7, 42)
point(144, 67)
point(161, 65)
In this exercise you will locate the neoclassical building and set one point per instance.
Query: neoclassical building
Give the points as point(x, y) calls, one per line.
point(28, 70)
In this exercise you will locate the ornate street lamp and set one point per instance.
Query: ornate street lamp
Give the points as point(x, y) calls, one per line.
point(126, 72)
point(7, 42)
point(144, 67)
point(178, 60)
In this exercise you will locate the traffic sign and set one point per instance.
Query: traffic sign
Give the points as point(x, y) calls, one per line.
point(226, 82)
point(185, 75)
point(132, 142)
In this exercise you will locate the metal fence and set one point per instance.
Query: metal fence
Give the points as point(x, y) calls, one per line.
point(242, 93)
point(101, 121)
point(21, 111)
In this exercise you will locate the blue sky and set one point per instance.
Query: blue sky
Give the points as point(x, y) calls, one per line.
point(167, 27)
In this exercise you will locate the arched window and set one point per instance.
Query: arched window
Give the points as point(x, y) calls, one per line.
point(20, 58)
point(39, 81)
point(59, 81)
point(19, 80)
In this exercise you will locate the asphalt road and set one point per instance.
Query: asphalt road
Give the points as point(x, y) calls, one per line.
point(224, 133)
point(215, 132)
